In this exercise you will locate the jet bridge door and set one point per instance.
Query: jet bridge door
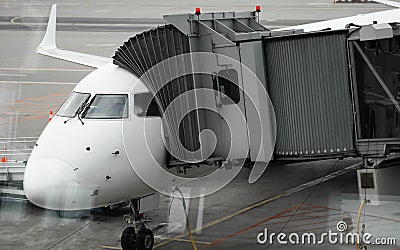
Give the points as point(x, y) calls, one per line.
point(308, 83)
point(229, 101)
point(222, 74)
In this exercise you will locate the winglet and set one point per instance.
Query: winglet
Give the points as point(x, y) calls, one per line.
point(48, 47)
point(388, 2)
point(49, 39)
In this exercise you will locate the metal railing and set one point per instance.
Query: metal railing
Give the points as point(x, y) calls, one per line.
point(14, 154)
point(16, 150)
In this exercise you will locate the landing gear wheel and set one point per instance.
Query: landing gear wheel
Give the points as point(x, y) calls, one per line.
point(145, 239)
point(128, 239)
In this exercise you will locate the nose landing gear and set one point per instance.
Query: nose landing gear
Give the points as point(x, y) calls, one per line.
point(128, 238)
point(144, 239)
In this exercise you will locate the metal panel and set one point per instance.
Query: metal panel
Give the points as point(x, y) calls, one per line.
point(308, 83)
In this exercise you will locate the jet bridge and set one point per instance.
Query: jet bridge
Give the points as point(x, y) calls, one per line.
point(334, 93)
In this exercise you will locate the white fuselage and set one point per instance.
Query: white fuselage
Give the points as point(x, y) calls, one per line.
point(73, 166)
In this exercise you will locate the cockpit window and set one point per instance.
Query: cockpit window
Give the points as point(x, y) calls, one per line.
point(107, 106)
point(145, 105)
point(71, 106)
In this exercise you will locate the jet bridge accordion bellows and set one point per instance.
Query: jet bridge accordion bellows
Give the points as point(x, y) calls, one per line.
point(153, 56)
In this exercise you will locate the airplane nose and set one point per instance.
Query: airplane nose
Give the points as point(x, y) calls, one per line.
point(50, 183)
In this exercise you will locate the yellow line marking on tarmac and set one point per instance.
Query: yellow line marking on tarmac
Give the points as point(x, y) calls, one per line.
point(180, 240)
point(188, 241)
point(27, 82)
point(263, 202)
point(305, 219)
point(110, 247)
point(46, 69)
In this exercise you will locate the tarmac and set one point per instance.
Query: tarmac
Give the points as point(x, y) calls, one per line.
point(288, 198)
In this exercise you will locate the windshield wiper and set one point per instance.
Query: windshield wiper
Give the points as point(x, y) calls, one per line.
point(65, 122)
point(78, 112)
point(79, 117)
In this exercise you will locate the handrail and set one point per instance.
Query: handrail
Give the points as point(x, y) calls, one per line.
point(4, 142)
point(17, 150)
point(23, 137)
point(14, 154)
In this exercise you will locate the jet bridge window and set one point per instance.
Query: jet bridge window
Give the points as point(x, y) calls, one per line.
point(379, 117)
point(226, 83)
point(72, 104)
point(108, 106)
point(145, 105)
